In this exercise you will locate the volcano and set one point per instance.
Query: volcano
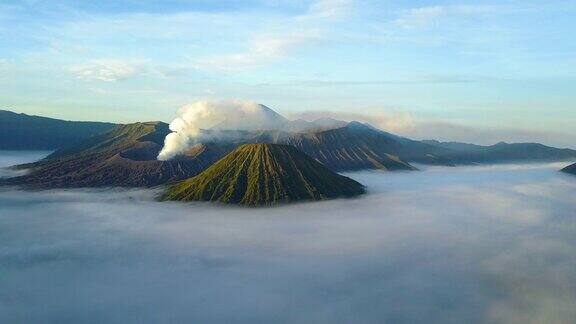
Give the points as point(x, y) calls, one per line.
point(264, 174)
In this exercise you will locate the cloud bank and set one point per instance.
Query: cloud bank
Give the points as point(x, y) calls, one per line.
point(447, 245)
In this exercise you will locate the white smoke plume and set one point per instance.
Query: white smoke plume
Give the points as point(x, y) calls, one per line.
point(215, 114)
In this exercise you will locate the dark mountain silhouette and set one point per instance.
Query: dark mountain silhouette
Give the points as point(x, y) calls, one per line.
point(570, 169)
point(504, 152)
point(25, 132)
point(264, 174)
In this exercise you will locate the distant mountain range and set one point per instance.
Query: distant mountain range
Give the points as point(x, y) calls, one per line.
point(505, 152)
point(126, 155)
point(264, 174)
point(25, 132)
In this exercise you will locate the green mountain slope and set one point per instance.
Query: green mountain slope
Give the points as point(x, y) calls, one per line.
point(264, 174)
point(25, 132)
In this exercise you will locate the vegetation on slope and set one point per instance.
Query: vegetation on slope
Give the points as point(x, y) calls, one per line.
point(264, 174)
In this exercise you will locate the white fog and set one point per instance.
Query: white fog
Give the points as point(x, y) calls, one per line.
point(443, 245)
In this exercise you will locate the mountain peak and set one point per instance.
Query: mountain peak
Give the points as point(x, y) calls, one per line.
point(264, 174)
point(253, 117)
point(356, 125)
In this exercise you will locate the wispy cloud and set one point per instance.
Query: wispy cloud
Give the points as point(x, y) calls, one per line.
point(432, 79)
point(107, 70)
point(425, 16)
point(263, 49)
point(329, 8)
point(266, 47)
point(112, 70)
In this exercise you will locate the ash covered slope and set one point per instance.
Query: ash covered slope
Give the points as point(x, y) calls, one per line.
point(125, 156)
point(264, 174)
point(26, 132)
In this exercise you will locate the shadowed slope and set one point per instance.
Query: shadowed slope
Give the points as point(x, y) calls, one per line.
point(349, 148)
point(463, 153)
point(340, 149)
point(570, 169)
point(26, 132)
point(264, 174)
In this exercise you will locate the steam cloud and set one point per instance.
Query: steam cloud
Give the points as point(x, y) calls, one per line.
point(192, 118)
point(447, 245)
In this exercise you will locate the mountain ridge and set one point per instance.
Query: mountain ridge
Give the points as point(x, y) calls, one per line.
point(503, 152)
point(19, 131)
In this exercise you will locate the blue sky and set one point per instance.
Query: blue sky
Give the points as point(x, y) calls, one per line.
point(466, 70)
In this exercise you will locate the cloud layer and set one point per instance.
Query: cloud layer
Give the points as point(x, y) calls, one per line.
point(456, 245)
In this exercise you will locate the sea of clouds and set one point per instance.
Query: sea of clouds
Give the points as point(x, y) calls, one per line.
point(445, 245)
